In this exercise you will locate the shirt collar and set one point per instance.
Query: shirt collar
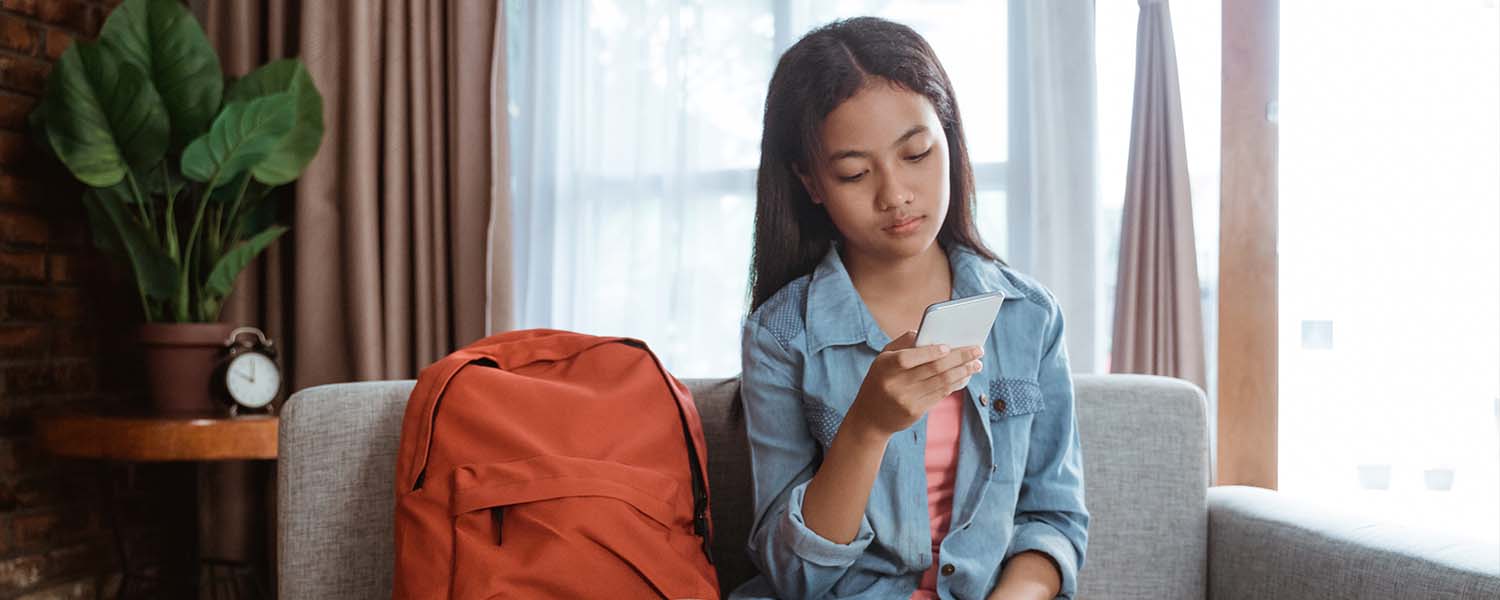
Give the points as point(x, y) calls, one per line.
point(836, 315)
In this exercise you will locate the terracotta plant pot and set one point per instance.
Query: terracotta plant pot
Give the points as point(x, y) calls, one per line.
point(180, 361)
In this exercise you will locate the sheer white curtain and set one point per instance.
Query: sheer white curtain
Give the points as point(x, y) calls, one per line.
point(1054, 193)
point(635, 130)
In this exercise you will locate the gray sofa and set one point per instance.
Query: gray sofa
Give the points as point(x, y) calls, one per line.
point(1158, 530)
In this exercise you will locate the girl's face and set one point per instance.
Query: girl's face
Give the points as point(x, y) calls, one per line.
point(883, 177)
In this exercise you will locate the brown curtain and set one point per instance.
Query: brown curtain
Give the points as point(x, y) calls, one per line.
point(398, 252)
point(1158, 321)
point(399, 249)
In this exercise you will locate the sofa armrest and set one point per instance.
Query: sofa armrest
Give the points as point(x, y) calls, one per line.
point(1263, 544)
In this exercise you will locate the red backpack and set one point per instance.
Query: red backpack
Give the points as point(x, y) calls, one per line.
point(549, 464)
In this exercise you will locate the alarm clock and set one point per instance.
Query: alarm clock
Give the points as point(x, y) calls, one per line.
point(247, 377)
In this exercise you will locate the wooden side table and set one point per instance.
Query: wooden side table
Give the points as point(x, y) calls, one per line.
point(217, 444)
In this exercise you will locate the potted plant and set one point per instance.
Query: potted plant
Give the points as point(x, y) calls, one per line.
point(178, 167)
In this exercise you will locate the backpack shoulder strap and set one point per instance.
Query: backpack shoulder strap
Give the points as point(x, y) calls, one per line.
point(421, 409)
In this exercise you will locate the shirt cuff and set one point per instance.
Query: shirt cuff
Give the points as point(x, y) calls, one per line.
point(1044, 538)
point(814, 548)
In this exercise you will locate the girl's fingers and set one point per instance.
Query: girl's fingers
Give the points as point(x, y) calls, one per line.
point(932, 366)
point(961, 384)
point(954, 378)
point(956, 360)
point(937, 388)
point(915, 357)
point(935, 371)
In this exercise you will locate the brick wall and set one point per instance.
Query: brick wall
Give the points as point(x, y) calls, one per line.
point(66, 317)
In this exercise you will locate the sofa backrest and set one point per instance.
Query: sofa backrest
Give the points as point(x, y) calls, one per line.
point(1146, 478)
point(1145, 470)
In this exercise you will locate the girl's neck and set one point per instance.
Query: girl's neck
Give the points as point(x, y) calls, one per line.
point(920, 279)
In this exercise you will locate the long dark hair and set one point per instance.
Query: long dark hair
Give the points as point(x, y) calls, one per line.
point(823, 69)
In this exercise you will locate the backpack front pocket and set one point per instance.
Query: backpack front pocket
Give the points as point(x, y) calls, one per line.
point(561, 526)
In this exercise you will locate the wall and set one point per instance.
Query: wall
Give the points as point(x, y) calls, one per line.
point(66, 317)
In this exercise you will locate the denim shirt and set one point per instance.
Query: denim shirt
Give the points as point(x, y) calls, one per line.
point(1019, 480)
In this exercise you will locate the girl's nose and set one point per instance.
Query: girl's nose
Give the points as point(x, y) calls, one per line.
point(893, 194)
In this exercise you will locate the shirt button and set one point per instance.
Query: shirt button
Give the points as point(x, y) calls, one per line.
point(999, 405)
point(983, 400)
point(948, 569)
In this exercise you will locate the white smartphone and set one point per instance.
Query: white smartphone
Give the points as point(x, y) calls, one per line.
point(961, 322)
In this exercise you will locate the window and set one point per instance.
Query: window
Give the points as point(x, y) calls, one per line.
point(635, 139)
point(1389, 248)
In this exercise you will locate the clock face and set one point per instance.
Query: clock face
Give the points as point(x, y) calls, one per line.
point(253, 379)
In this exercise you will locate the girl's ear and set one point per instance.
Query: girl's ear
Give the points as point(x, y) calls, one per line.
point(807, 183)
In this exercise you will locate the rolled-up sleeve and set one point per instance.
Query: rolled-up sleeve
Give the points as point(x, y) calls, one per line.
point(1050, 514)
point(798, 562)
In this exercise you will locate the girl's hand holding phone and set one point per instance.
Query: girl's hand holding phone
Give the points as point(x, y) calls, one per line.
point(906, 380)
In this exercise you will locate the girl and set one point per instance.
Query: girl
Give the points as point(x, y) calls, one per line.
point(883, 470)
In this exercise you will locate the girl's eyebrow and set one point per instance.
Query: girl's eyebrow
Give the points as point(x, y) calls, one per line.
point(843, 154)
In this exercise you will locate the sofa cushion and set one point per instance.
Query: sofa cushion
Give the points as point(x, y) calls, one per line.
point(1145, 464)
point(729, 479)
point(1266, 544)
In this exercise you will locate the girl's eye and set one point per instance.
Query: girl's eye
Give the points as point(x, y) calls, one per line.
point(919, 157)
point(853, 178)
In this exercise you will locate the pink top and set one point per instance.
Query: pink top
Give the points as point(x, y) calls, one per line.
point(943, 421)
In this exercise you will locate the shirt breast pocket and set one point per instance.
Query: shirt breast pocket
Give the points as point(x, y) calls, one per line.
point(1014, 397)
point(1015, 403)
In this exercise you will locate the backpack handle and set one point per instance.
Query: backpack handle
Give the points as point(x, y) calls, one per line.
point(515, 349)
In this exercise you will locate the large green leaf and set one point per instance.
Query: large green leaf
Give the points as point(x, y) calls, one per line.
point(164, 41)
point(155, 273)
point(286, 163)
point(101, 116)
point(221, 278)
point(243, 136)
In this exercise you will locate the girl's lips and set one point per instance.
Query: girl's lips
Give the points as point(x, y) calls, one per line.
point(906, 226)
